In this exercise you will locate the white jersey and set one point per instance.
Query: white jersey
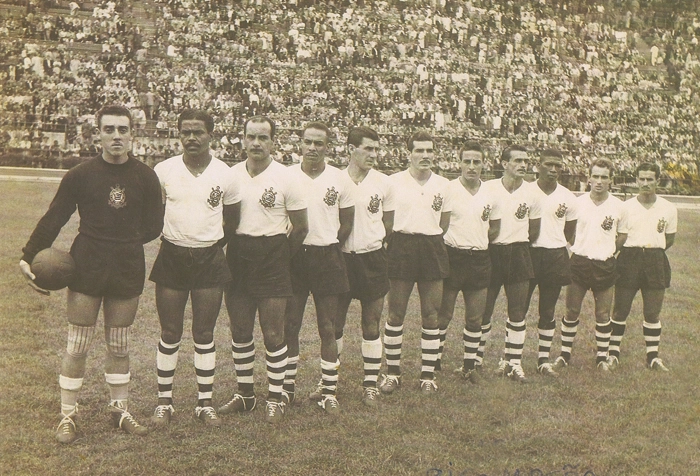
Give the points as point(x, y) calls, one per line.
point(418, 207)
point(373, 196)
point(647, 228)
point(556, 208)
point(470, 217)
point(325, 195)
point(515, 209)
point(194, 205)
point(597, 227)
point(266, 199)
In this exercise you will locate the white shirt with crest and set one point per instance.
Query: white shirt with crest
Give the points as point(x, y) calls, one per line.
point(325, 196)
point(418, 207)
point(647, 227)
point(556, 208)
point(194, 205)
point(470, 217)
point(373, 196)
point(597, 227)
point(515, 209)
point(267, 199)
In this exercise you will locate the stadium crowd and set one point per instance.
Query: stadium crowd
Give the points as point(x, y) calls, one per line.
point(594, 78)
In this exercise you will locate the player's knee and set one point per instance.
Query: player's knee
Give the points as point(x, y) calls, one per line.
point(203, 336)
point(80, 339)
point(170, 337)
point(117, 340)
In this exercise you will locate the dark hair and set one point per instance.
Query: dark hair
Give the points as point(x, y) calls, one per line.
point(196, 115)
point(319, 126)
point(505, 155)
point(551, 153)
point(603, 164)
point(357, 134)
point(471, 146)
point(113, 110)
point(419, 136)
point(648, 166)
point(260, 120)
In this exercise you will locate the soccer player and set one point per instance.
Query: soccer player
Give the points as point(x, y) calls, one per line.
point(258, 255)
point(650, 223)
point(198, 194)
point(416, 254)
point(119, 202)
point(318, 266)
point(474, 221)
point(364, 253)
point(598, 237)
point(519, 210)
point(550, 258)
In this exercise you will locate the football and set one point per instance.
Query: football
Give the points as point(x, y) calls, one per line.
point(54, 269)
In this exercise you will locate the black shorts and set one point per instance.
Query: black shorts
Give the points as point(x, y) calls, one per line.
point(643, 268)
point(368, 274)
point(470, 270)
point(319, 270)
point(260, 266)
point(417, 257)
point(510, 263)
point(108, 268)
point(593, 274)
point(551, 266)
point(184, 269)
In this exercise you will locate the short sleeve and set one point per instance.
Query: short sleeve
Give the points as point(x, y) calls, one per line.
point(623, 225)
point(347, 198)
point(535, 206)
point(232, 188)
point(389, 202)
point(295, 197)
point(672, 226)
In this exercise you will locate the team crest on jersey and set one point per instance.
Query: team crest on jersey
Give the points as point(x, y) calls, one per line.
point(331, 197)
point(607, 223)
point(561, 211)
point(215, 196)
point(268, 198)
point(486, 213)
point(374, 203)
point(661, 226)
point(521, 212)
point(117, 197)
point(437, 202)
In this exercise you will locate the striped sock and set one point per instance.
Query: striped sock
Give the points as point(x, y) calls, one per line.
point(443, 337)
point(618, 330)
point(393, 338)
point(471, 342)
point(204, 366)
point(652, 338)
point(602, 339)
point(290, 374)
point(329, 378)
point(568, 334)
point(243, 360)
point(371, 361)
point(429, 345)
point(515, 341)
point(545, 337)
point(166, 362)
point(485, 332)
point(276, 371)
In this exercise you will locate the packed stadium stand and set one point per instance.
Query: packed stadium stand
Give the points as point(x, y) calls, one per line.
point(612, 78)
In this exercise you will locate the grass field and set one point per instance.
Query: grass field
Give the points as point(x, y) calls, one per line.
point(633, 422)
